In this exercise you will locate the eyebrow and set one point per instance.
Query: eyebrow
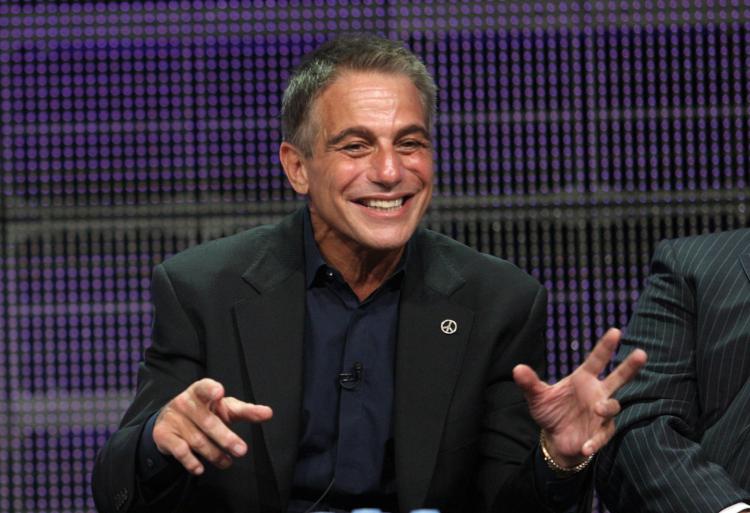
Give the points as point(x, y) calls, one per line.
point(366, 134)
point(355, 131)
point(413, 129)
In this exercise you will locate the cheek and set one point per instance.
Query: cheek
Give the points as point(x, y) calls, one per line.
point(424, 175)
point(331, 184)
point(348, 176)
point(421, 166)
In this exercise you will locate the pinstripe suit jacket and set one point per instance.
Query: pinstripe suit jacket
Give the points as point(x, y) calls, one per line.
point(683, 441)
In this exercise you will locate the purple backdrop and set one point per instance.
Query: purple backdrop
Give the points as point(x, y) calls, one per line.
point(571, 137)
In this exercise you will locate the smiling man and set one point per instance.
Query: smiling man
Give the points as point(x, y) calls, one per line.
point(368, 174)
point(346, 357)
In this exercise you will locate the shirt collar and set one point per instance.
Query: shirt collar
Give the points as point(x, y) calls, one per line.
point(314, 261)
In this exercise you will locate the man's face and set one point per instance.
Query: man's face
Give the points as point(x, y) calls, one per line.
point(369, 179)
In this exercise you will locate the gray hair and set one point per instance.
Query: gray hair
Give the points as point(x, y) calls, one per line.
point(351, 52)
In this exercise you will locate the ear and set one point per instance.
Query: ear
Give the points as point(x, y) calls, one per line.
point(294, 167)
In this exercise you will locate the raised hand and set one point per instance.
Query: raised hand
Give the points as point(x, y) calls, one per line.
point(196, 422)
point(577, 413)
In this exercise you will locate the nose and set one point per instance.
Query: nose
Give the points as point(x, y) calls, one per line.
point(387, 168)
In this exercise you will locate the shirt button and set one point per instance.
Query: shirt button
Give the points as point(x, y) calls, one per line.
point(150, 462)
point(329, 274)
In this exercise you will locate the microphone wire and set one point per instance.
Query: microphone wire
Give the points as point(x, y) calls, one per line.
point(320, 499)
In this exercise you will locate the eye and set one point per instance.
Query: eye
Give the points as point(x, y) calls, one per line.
point(355, 148)
point(411, 145)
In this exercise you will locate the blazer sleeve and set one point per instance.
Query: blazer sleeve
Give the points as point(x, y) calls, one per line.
point(509, 441)
point(171, 364)
point(656, 463)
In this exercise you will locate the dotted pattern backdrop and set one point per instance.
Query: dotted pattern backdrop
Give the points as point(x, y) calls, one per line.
point(572, 136)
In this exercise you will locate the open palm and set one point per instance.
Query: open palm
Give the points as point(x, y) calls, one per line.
point(577, 413)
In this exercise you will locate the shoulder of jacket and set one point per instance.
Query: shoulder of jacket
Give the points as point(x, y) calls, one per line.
point(476, 268)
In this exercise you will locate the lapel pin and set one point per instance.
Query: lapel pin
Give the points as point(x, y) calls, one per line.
point(448, 326)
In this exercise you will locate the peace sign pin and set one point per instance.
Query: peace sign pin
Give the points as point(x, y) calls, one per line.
point(448, 326)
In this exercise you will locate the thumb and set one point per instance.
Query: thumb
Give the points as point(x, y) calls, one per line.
point(528, 381)
point(207, 391)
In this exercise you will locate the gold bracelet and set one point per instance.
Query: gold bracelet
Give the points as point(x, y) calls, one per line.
point(558, 469)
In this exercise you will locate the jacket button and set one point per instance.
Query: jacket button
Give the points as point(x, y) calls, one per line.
point(121, 498)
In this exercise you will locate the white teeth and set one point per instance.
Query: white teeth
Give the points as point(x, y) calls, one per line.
point(384, 204)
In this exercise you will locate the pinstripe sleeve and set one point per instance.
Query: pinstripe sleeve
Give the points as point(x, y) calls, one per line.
point(737, 508)
point(656, 463)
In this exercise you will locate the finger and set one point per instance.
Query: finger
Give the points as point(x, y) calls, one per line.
point(607, 408)
point(602, 353)
point(189, 412)
point(206, 390)
point(528, 381)
point(199, 443)
point(175, 434)
point(625, 371)
point(599, 439)
point(180, 450)
point(231, 409)
point(213, 427)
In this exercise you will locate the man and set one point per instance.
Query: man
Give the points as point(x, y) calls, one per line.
point(385, 353)
point(682, 442)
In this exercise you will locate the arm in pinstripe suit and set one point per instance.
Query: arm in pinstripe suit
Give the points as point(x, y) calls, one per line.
point(683, 442)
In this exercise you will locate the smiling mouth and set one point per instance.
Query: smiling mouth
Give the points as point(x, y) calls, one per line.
point(383, 205)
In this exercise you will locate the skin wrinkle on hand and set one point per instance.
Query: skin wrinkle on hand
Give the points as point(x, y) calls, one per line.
point(577, 413)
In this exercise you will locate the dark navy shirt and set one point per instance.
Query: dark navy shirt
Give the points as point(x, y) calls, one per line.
point(347, 408)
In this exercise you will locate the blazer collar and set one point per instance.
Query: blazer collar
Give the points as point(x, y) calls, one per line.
point(283, 253)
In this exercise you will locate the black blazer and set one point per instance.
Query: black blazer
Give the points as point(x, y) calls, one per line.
point(233, 310)
point(683, 439)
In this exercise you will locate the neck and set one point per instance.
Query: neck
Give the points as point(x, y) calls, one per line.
point(363, 269)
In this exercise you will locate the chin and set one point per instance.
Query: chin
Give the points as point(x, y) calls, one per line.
point(387, 243)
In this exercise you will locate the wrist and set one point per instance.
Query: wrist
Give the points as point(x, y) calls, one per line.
point(563, 467)
point(550, 445)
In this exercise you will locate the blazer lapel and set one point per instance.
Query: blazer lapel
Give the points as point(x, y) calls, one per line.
point(428, 360)
point(270, 323)
point(745, 261)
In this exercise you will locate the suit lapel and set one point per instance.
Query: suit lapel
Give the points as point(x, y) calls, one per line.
point(745, 261)
point(270, 323)
point(428, 362)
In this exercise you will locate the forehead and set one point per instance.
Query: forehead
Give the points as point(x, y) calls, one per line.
point(369, 95)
